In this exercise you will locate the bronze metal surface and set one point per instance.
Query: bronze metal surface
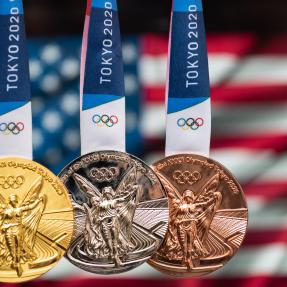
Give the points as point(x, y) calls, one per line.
point(208, 216)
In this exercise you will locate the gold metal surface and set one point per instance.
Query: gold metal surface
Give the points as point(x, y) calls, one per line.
point(208, 216)
point(36, 220)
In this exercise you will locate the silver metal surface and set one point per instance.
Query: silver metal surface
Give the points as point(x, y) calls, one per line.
point(121, 212)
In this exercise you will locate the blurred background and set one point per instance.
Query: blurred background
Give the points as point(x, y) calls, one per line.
point(247, 43)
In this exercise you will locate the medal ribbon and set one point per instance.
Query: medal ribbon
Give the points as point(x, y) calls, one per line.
point(15, 93)
point(102, 80)
point(188, 88)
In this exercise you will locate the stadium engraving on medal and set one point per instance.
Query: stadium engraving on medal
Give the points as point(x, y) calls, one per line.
point(121, 212)
point(36, 220)
point(208, 216)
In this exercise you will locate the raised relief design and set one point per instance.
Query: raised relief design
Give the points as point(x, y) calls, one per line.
point(11, 182)
point(202, 235)
point(36, 220)
point(18, 225)
point(190, 220)
point(186, 177)
point(104, 174)
point(119, 223)
point(109, 218)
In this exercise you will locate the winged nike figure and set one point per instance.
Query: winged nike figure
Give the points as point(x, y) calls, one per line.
point(190, 219)
point(19, 222)
point(110, 213)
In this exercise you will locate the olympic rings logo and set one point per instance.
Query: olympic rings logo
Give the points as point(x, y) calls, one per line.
point(104, 174)
point(190, 123)
point(186, 177)
point(105, 120)
point(13, 182)
point(12, 128)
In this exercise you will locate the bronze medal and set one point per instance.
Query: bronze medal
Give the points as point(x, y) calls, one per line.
point(208, 216)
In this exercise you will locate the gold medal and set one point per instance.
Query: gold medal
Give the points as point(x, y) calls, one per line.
point(208, 216)
point(36, 220)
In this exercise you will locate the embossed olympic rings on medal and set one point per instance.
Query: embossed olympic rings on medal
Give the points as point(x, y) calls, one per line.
point(13, 182)
point(184, 177)
point(104, 174)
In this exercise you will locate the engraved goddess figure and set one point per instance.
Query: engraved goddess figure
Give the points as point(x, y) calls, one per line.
point(110, 213)
point(191, 217)
point(18, 225)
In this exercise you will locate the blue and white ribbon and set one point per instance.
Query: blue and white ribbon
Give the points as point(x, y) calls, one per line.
point(102, 80)
point(15, 94)
point(188, 88)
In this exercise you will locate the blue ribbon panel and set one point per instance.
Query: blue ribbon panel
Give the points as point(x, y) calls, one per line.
point(104, 75)
point(14, 66)
point(189, 76)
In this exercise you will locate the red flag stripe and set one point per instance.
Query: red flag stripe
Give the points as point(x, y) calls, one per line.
point(275, 143)
point(265, 237)
point(275, 190)
point(248, 281)
point(233, 94)
point(237, 44)
point(274, 45)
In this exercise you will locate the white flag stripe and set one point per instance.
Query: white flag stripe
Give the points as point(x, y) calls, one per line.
point(66, 270)
point(152, 69)
point(277, 172)
point(266, 260)
point(265, 167)
point(263, 70)
point(245, 119)
point(240, 120)
point(245, 164)
point(153, 121)
point(265, 215)
point(220, 66)
point(249, 261)
point(253, 70)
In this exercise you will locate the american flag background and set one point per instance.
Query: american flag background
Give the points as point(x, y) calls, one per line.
point(248, 73)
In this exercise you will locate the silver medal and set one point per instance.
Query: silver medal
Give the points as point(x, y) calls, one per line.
point(121, 212)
